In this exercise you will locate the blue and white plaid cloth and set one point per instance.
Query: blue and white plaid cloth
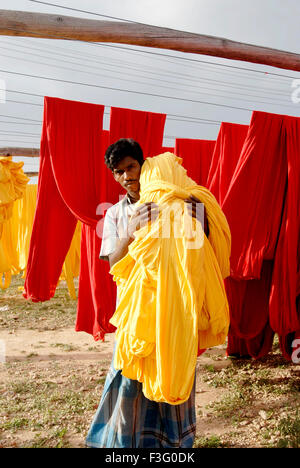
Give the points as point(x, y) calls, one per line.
point(125, 418)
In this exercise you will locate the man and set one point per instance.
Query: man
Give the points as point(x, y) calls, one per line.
point(125, 418)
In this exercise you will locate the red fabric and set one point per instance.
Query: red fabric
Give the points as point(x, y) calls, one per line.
point(147, 128)
point(252, 207)
point(69, 189)
point(96, 285)
point(285, 294)
point(167, 149)
point(97, 291)
point(257, 213)
point(242, 179)
point(226, 154)
point(196, 155)
point(250, 330)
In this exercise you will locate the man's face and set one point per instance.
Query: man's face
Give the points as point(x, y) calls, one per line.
point(127, 173)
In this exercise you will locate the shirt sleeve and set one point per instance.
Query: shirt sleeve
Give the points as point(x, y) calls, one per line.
point(109, 236)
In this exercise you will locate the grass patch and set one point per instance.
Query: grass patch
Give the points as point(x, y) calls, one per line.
point(52, 411)
point(19, 313)
point(208, 442)
point(289, 429)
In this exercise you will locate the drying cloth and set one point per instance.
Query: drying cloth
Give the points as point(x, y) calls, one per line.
point(147, 128)
point(172, 299)
point(196, 156)
point(13, 183)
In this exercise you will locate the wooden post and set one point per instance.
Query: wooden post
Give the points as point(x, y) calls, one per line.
point(27, 152)
point(20, 23)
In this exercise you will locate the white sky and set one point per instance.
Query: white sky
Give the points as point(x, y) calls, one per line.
point(269, 23)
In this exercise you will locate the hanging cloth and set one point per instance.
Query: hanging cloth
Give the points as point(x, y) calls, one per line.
point(196, 156)
point(252, 206)
point(172, 299)
point(13, 184)
point(285, 293)
point(147, 128)
point(254, 212)
point(70, 178)
point(167, 149)
point(227, 150)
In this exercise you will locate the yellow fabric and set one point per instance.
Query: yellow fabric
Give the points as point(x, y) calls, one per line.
point(15, 241)
point(172, 299)
point(71, 264)
point(13, 184)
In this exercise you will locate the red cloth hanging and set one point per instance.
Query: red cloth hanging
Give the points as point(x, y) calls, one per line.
point(52, 231)
point(167, 149)
point(252, 207)
point(96, 288)
point(227, 150)
point(270, 159)
point(285, 294)
point(196, 155)
point(94, 279)
point(147, 128)
point(69, 189)
point(239, 179)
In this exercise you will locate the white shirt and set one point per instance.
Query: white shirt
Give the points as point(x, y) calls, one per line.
point(115, 226)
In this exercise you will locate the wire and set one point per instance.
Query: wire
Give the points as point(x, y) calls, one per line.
point(189, 77)
point(18, 118)
point(183, 118)
point(127, 64)
point(19, 123)
point(91, 13)
point(176, 98)
point(217, 95)
point(20, 141)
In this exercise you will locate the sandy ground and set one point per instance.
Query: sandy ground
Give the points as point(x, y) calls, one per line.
point(52, 378)
point(68, 346)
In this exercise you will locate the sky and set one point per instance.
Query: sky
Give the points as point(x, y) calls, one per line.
point(196, 92)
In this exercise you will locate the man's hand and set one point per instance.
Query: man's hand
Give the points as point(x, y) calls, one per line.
point(197, 214)
point(143, 214)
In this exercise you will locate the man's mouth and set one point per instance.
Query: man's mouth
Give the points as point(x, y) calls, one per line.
point(131, 182)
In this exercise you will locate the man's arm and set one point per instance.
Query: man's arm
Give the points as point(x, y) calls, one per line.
point(145, 213)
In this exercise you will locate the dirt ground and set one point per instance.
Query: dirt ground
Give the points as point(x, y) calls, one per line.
point(51, 379)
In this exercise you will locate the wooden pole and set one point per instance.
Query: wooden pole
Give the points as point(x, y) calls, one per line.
point(31, 174)
point(20, 23)
point(27, 152)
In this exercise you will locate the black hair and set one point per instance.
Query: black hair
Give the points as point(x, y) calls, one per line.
point(122, 148)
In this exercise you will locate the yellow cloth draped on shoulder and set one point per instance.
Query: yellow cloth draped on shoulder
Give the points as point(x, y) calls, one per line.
point(171, 293)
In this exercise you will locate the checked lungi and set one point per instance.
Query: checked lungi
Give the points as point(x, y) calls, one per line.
point(125, 418)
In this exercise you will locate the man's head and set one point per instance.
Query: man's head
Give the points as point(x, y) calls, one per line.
point(125, 159)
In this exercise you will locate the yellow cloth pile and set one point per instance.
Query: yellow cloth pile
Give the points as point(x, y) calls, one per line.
point(15, 241)
point(13, 184)
point(171, 293)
